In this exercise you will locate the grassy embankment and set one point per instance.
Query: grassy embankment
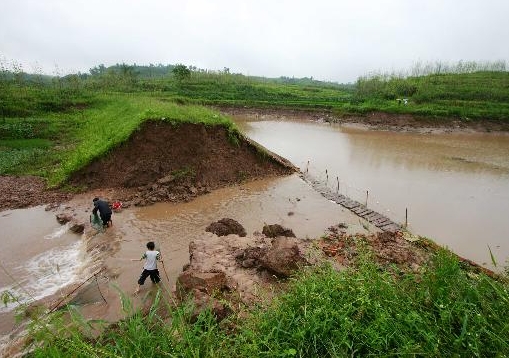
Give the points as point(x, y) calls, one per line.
point(51, 129)
point(362, 311)
point(55, 144)
point(467, 96)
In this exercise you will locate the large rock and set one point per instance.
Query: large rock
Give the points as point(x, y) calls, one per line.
point(64, 218)
point(208, 282)
point(283, 258)
point(77, 228)
point(225, 227)
point(276, 230)
point(203, 301)
point(251, 256)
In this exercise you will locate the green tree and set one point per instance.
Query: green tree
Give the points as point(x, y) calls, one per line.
point(181, 72)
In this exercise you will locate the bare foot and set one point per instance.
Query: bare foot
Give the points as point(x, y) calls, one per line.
point(136, 291)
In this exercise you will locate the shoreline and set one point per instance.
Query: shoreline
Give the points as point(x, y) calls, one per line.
point(376, 120)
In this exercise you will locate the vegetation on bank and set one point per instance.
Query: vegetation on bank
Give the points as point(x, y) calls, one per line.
point(362, 311)
point(57, 143)
point(52, 126)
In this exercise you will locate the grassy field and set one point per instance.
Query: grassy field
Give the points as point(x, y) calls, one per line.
point(55, 144)
point(51, 127)
point(443, 311)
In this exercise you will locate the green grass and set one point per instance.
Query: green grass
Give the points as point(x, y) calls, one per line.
point(62, 142)
point(479, 95)
point(363, 311)
point(53, 129)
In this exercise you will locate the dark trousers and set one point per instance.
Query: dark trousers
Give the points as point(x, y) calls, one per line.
point(106, 218)
point(154, 276)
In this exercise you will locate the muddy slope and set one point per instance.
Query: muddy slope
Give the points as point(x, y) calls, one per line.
point(190, 157)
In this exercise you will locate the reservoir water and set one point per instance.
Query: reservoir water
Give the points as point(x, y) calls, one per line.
point(454, 186)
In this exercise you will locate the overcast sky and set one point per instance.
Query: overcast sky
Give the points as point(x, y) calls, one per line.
point(334, 40)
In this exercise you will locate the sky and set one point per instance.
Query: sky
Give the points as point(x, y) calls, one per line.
point(334, 40)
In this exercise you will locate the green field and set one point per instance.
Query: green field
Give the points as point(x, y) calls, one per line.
point(53, 126)
point(443, 311)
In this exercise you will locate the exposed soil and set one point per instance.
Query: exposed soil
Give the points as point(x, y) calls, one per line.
point(160, 162)
point(25, 191)
point(376, 120)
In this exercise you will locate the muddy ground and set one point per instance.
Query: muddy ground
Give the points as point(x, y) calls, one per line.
point(376, 120)
point(160, 162)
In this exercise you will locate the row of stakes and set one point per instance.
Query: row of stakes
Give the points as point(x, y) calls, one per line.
point(367, 192)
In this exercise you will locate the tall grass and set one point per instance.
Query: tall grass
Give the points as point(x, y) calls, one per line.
point(364, 311)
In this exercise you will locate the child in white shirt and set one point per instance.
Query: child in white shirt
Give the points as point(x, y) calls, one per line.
point(151, 257)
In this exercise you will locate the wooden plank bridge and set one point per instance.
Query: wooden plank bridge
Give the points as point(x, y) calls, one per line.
point(380, 221)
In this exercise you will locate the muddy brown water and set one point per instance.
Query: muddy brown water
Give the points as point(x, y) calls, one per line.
point(454, 186)
point(288, 201)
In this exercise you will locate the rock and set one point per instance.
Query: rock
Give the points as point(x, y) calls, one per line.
point(203, 301)
point(225, 227)
point(63, 218)
point(167, 179)
point(283, 258)
point(250, 257)
point(276, 230)
point(77, 228)
point(202, 281)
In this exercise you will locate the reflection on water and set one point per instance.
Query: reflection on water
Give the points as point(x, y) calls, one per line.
point(455, 186)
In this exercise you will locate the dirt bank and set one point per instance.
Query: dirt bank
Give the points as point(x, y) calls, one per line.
point(375, 120)
point(160, 162)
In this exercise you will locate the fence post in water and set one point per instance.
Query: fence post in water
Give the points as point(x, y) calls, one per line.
point(307, 166)
point(337, 179)
point(406, 217)
point(327, 174)
point(367, 194)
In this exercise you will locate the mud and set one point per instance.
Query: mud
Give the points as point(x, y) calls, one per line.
point(376, 120)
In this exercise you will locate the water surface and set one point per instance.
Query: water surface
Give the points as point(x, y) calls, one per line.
point(454, 187)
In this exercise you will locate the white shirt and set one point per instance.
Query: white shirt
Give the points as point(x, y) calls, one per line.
point(151, 257)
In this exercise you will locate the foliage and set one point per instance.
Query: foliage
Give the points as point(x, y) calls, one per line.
point(181, 72)
point(363, 311)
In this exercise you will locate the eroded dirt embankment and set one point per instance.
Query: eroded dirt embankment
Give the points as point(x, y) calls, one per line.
point(160, 162)
point(397, 122)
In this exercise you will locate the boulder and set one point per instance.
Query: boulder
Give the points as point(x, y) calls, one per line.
point(77, 228)
point(276, 230)
point(63, 218)
point(208, 282)
point(203, 301)
point(283, 258)
point(225, 227)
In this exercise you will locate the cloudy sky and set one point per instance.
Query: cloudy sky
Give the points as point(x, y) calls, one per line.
point(334, 40)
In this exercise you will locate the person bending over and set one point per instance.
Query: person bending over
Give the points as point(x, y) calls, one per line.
point(104, 211)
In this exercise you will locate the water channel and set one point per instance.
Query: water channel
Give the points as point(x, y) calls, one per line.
point(454, 186)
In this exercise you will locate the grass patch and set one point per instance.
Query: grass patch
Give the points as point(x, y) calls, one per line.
point(362, 311)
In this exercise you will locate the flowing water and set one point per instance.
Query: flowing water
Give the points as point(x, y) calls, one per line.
point(454, 187)
point(40, 257)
